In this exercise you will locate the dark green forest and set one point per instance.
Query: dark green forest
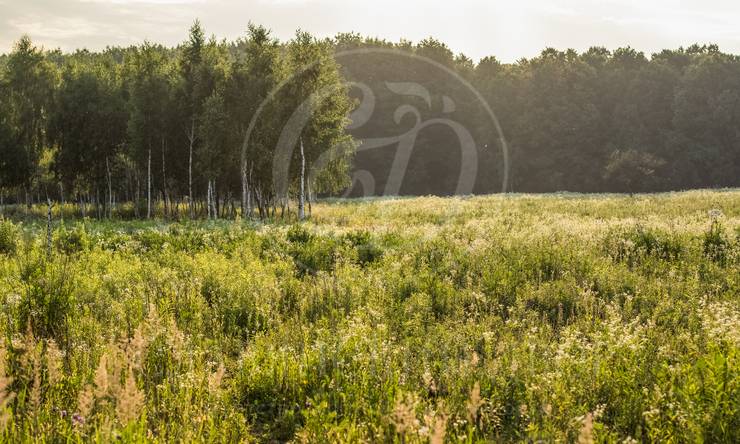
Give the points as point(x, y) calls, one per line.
point(163, 127)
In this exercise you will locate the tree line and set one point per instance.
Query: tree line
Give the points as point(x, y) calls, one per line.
point(197, 130)
point(166, 128)
point(596, 121)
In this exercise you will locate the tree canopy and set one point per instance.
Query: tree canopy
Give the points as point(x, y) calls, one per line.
point(206, 120)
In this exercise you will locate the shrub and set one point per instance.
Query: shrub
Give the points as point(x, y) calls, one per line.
point(298, 234)
point(367, 250)
point(717, 246)
point(71, 241)
point(635, 245)
point(9, 234)
point(316, 254)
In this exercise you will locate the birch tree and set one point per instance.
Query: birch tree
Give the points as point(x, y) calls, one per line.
point(150, 93)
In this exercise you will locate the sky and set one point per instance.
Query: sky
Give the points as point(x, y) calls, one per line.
point(509, 29)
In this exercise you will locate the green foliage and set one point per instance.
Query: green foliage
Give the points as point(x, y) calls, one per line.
point(115, 128)
point(368, 251)
point(9, 236)
point(638, 244)
point(72, 240)
point(717, 247)
point(697, 402)
point(509, 319)
point(312, 253)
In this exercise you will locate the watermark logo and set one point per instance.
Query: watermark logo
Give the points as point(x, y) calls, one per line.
point(420, 128)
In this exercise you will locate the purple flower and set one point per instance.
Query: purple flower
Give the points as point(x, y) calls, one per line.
point(78, 419)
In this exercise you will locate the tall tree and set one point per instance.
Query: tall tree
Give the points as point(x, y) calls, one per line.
point(317, 106)
point(28, 83)
point(199, 74)
point(87, 126)
point(150, 100)
point(256, 73)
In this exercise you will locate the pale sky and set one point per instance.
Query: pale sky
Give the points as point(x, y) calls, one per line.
point(507, 29)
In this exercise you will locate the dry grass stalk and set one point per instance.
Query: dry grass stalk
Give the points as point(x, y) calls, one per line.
point(6, 396)
point(85, 402)
point(130, 400)
point(136, 347)
point(586, 435)
point(437, 424)
point(216, 378)
point(474, 403)
point(53, 362)
point(404, 415)
point(102, 386)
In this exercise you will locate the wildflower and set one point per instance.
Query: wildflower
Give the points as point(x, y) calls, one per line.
point(715, 214)
point(429, 381)
point(78, 420)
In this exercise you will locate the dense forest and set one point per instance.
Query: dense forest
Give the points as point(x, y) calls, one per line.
point(200, 126)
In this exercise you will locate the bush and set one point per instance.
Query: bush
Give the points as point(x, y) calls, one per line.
point(716, 245)
point(71, 241)
point(298, 234)
point(8, 237)
point(367, 251)
point(316, 254)
point(635, 245)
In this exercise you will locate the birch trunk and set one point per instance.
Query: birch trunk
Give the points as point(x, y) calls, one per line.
point(302, 196)
point(110, 190)
point(149, 185)
point(244, 191)
point(138, 194)
point(83, 206)
point(61, 198)
point(48, 229)
point(208, 200)
point(164, 182)
point(309, 193)
point(215, 200)
point(191, 139)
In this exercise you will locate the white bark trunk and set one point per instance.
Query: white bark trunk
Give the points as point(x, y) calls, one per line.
point(61, 197)
point(309, 194)
point(246, 198)
point(191, 138)
point(149, 186)
point(48, 229)
point(164, 182)
point(110, 190)
point(214, 200)
point(302, 196)
point(208, 200)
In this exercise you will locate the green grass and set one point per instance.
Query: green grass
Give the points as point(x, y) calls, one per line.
point(499, 318)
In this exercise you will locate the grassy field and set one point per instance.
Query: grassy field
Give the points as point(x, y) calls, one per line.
point(503, 318)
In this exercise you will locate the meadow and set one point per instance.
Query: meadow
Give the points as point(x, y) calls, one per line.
point(517, 318)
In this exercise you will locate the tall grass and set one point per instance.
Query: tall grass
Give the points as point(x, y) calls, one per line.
point(502, 318)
